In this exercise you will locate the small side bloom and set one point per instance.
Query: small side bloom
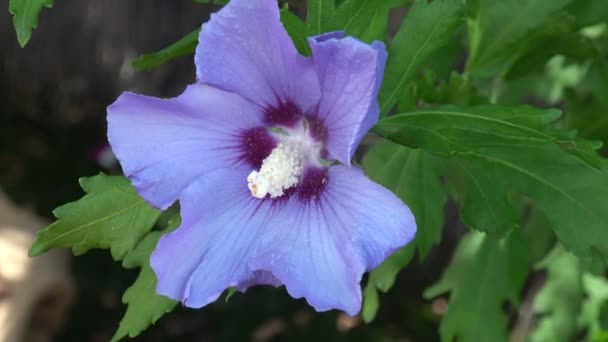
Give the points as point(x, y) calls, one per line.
point(247, 152)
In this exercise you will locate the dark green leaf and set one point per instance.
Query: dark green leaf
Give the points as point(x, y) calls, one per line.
point(411, 175)
point(588, 12)
point(483, 275)
point(183, 47)
point(318, 14)
point(497, 27)
point(364, 19)
point(383, 278)
point(145, 307)
point(425, 29)
point(376, 29)
point(25, 17)
point(111, 215)
point(296, 29)
point(559, 300)
point(509, 151)
point(484, 205)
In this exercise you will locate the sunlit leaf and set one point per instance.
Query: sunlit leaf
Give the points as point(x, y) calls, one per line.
point(483, 275)
point(560, 298)
point(594, 316)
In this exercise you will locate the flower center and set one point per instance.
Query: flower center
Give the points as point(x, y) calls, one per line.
point(284, 167)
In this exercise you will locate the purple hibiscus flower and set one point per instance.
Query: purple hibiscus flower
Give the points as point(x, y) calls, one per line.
point(258, 154)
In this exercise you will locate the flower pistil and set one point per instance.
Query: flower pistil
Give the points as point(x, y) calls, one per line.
point(283, 168)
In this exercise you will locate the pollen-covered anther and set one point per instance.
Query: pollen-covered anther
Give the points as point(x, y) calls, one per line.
point(280, 171)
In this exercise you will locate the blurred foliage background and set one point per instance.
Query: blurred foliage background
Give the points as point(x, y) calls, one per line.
point(52, 131)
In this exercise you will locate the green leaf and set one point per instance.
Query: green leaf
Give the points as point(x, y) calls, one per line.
point(510, 151)
point(426, 28)
point(594, 316)
point(364, 19)
point(183, 47)
point(588, 12)
point(25, 17)
point(110, 215)
point(496, 28)
point(383, 278)
point(318, 13)
point(145, 307)
point(427, 89)
point(296, 29)
point(484, 205)
point(411, 175)
point(376, 29)
point(483, 275)
point(559, 300)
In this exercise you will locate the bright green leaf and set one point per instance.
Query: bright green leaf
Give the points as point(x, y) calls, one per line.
point(145, 307)
point(594, 316)
point(183, 47)
point(425, 29)
point(110, 215)
point(25, 17)
point(559, 300)
point(483, 275)
point(509, 151)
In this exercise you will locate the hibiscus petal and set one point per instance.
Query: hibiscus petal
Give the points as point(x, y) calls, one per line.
point(208, 253)
point(164, 145)
point(350, 73)
point(320, 246)
point(245, 49)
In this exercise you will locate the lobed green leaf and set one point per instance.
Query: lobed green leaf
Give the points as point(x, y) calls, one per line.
point(411, 175)
point(507, 152)
point(483, 275)
point(145, 306)
point(110, 215)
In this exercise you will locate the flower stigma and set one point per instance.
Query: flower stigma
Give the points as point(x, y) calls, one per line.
point(283, 168)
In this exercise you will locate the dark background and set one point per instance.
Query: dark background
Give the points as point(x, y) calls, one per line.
point(53, 96)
